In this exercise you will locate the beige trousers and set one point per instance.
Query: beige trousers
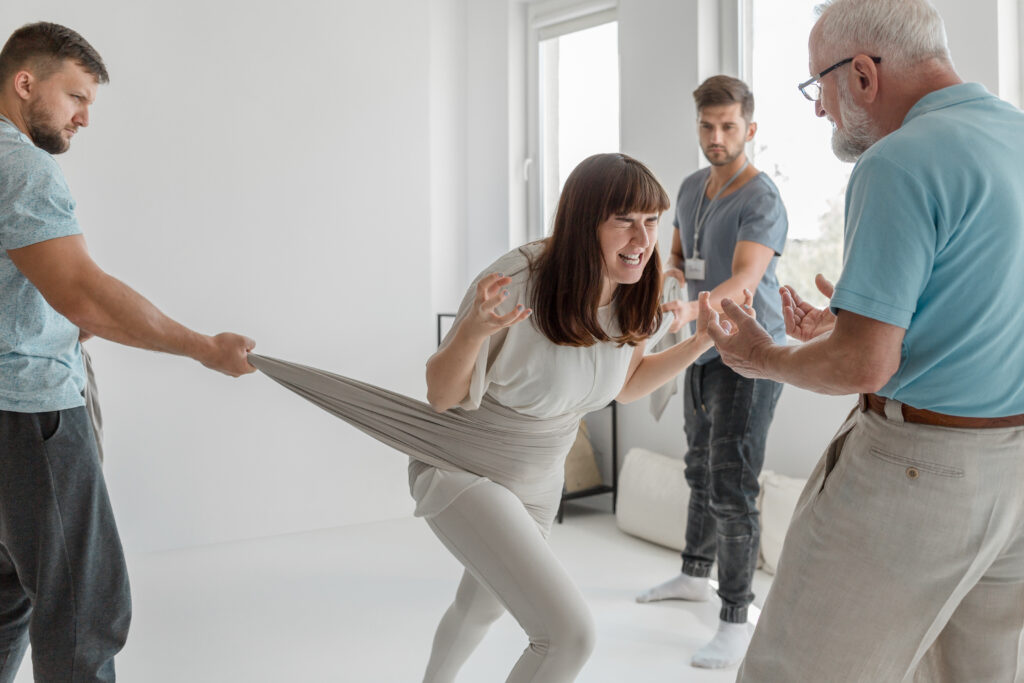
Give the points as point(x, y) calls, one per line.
point(904, 561)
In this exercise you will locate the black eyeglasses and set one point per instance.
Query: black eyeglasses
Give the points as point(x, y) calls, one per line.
point(811, 88)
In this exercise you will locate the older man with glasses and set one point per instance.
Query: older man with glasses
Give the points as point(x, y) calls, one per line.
point(905, 557)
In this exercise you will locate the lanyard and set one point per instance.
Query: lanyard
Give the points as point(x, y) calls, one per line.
point(698, 220)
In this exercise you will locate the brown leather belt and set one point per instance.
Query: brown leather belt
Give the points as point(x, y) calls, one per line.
point(876, 404)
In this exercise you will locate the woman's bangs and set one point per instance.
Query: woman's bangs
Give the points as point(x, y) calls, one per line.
point(638, 191)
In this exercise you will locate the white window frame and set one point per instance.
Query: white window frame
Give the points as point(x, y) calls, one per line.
point(729, 21)
point(546, 20)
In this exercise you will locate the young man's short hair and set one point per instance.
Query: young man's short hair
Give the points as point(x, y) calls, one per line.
point(43, 47)
point(724, 90)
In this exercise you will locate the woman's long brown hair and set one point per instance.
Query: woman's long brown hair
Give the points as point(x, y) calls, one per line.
point(567, 277)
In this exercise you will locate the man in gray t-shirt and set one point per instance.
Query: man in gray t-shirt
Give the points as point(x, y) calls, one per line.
point(730, 230)
point(63, 579)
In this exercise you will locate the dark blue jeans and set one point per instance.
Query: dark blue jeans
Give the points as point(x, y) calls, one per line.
point(727, 420)
point(63, 578)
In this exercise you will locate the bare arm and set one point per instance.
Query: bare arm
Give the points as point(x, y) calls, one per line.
point(750, 260)
point(450, 370)
point(71, 282)
point(859, 355)
point(647, 373)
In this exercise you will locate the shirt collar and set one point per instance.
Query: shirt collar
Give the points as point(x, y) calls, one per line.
point(17, 131)
point(946, 97)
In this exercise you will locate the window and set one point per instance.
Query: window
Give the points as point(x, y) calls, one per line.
point(575, 88)
point(793, 146)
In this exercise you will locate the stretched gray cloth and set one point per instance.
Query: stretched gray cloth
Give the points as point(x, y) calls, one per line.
point(492, 441)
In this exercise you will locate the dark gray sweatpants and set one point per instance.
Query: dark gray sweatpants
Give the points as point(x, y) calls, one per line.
point(63, 579)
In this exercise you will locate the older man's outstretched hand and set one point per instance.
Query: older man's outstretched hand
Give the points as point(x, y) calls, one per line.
point(804, 321)
point(741, 341)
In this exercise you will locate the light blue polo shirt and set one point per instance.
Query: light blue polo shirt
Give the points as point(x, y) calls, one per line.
point(934, 243)
point(40, 358)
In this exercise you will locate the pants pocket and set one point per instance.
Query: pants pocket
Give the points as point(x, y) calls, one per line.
point(834, 451)
point(49, 424)
point(916, 467)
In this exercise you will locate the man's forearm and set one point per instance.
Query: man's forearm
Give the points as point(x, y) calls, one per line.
point(823, 366)
point(71, 282)
point(731, 289)
point(108, 308)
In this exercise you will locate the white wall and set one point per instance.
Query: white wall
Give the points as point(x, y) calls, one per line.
point(971, 30)
point(448, 153)
point(325, 177)
point(1008, 20)
point(984, 39)
point(262, 168)
point(488, 118)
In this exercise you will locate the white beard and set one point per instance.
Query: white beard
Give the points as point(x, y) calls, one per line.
point(858, 132)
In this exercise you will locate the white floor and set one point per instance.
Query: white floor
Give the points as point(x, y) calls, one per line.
point(360, 603)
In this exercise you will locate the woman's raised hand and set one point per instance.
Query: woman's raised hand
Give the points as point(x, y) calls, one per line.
point(491, 293)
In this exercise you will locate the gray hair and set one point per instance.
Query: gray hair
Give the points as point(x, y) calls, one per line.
point(902, 32)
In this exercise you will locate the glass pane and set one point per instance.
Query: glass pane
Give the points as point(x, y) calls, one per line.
point(794, 147)
point(579, 105)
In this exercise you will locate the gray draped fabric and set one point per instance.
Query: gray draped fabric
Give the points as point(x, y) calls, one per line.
point(92, 402)
point(492, 441)
point(670, 291)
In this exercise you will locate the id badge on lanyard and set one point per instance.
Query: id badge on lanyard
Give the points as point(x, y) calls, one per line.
point(694, 268)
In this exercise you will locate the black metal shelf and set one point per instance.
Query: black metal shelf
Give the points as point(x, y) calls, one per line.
point(592, 491)
point(613, 488)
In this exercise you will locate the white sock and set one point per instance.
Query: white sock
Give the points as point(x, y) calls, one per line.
point(726, 649)
point(682, 587)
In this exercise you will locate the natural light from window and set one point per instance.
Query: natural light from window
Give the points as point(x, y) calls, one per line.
point(580, 106)
point(793, 146)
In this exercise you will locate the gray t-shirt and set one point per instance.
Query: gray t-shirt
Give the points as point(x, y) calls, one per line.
point(40, 358)
point(753, 213)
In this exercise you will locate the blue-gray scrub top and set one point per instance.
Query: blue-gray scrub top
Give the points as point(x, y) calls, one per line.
point(753, 213)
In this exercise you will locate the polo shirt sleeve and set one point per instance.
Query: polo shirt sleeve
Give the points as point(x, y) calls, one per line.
point(890, 242)
point(35, 202)
point(764, 221)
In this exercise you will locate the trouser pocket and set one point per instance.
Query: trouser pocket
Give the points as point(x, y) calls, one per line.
point(835, 449)
point(49, 423)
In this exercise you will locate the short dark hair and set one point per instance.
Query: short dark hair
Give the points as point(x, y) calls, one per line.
point(723, 90)
point(43, 47)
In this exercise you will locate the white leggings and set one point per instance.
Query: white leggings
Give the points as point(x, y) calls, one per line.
point(509, 565)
